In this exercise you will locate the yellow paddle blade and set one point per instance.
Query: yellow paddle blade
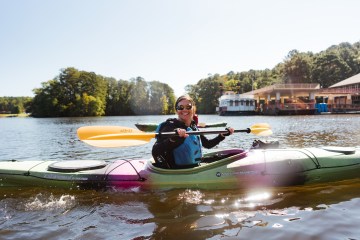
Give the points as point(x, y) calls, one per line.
point(261, 129)
point(91, 131)
point(129, 136)
point(113, 136)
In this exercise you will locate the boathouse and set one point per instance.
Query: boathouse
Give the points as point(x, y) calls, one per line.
point(286, 99)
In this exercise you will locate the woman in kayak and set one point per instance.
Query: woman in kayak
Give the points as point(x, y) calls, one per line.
point(182, 151)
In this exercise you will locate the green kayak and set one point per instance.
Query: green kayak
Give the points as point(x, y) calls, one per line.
point(225, 169)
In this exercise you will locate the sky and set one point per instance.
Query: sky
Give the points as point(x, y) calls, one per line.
point(177, 42)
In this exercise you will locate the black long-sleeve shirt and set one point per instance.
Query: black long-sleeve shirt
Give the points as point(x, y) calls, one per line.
point(163, 148)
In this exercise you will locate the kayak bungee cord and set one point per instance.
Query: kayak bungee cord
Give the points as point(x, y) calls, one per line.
point(28, 172)
point(125, 161)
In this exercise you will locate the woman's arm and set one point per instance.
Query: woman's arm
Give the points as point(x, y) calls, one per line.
point(210, 143)
point(164, 146)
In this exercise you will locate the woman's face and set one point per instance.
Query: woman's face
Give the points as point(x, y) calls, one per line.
point(185, 110)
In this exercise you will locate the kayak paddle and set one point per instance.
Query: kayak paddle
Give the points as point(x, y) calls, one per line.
point(117, 136)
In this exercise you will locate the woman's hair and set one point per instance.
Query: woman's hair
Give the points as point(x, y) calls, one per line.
point(185, 97)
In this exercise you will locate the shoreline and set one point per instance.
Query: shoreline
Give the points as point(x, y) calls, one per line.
point(14, 115)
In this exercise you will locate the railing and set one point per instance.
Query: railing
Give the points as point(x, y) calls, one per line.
point(238, 108)
point(237, 97)
point(290, 106)
point(338, 90)
point(289, 86)
point(297, 86)
point(306, 106)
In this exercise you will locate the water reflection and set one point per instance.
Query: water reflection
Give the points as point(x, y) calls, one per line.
point(193, 214)
point(311, 131)
point(318, 139)
point(279, 209)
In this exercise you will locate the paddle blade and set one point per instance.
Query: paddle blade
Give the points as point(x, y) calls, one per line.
point(201, 125)
point(113, 136)
point(261, 129)
point(91, 131)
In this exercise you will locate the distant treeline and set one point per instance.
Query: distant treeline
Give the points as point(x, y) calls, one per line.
point(81, 93)
point(14, 105)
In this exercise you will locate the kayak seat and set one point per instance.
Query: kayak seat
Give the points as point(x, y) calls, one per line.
point(344, 150)
point(76, 165)
point(182, 167)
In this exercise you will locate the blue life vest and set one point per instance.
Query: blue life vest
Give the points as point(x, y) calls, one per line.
point(189, 152)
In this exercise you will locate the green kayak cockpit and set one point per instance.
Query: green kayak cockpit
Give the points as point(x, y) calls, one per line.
point(209, 161)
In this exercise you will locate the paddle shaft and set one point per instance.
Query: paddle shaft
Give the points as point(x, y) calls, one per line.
point(169, 134)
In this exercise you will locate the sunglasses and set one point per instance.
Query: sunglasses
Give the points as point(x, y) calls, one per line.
point(181, 107)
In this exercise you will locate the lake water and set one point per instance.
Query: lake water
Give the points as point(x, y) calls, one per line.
point(329, 211)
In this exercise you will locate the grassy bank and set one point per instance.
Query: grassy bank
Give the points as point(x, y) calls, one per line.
point(14, 115)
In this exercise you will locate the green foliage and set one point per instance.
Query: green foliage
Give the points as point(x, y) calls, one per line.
point(78, 93)
point(81, 93)
point(118, 98)
point(206, 92)
point(14, 105)
point(297, 67)
point(232, 85)
point(139, 96)
point(162, 98)
point(72, 93)
point(329, 68)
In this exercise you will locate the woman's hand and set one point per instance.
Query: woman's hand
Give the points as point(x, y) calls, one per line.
point(182, 132)
point(230, 131)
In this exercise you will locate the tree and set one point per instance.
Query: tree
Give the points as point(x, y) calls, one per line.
point(170, 99)
point(207, 94)
point(14, 105)
point(64, 95)
point(232, 85)
point(329, 69)
point(297, 67)
point(161, 98)
point(265, 78)
point(351, 55)
point(139, 96)
point(112, 98)
point(45, 102)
